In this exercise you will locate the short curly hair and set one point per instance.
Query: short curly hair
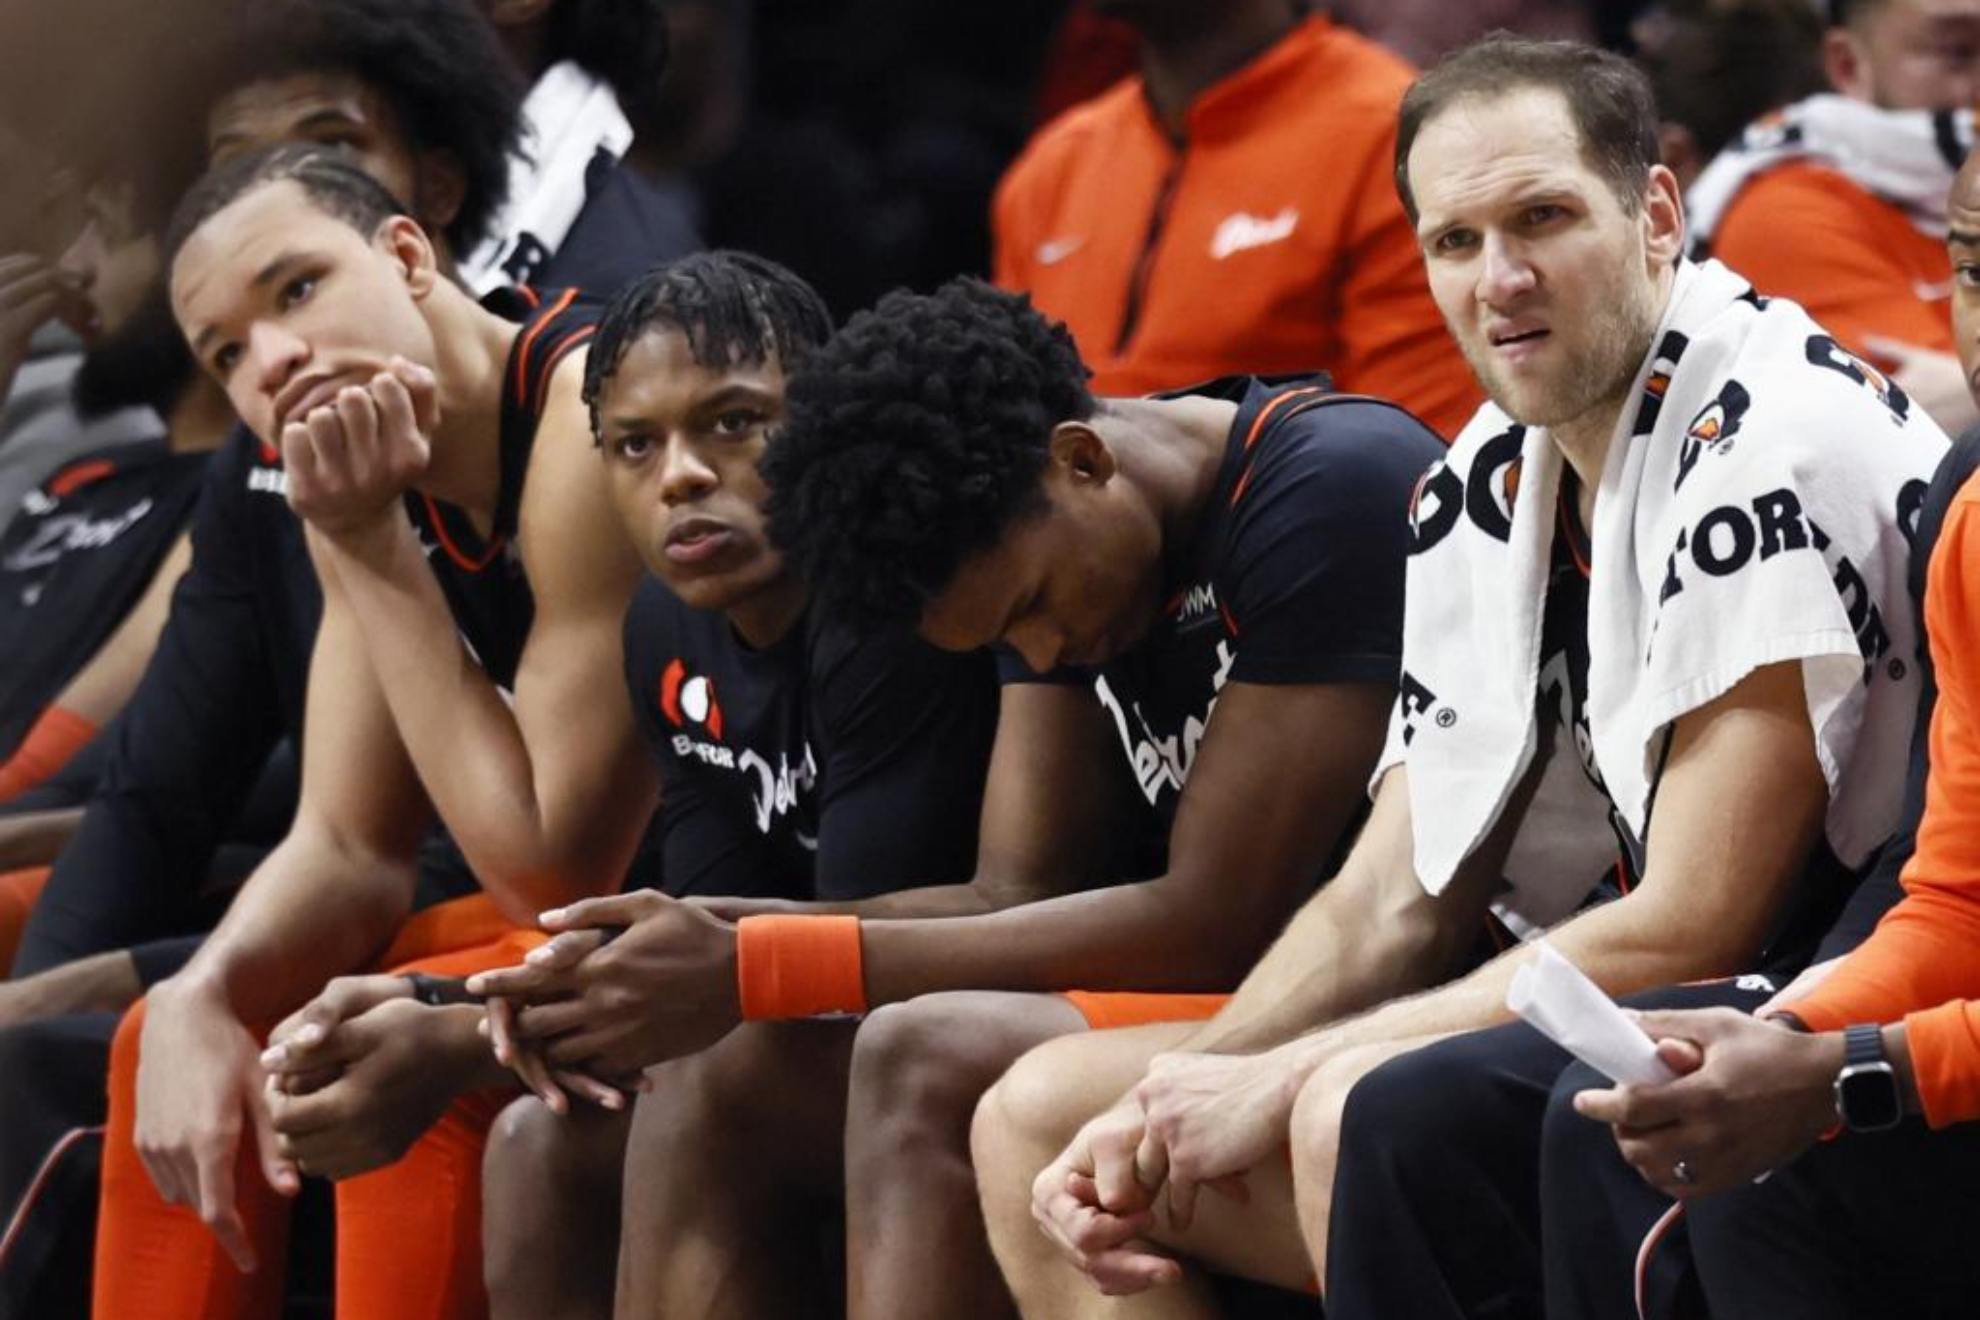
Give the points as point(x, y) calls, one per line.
point(915, 438)
point(732, 307)
point(437, 63)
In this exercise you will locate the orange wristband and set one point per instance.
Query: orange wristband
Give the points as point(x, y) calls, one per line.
point(798, 967)
point(54, 738)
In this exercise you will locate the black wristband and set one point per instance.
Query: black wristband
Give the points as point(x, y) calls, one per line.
point(438, 991)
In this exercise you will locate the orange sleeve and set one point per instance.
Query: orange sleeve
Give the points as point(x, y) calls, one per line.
point(1922, 963)
point(58, 735)
point(1806, 233)
point(1393, 343)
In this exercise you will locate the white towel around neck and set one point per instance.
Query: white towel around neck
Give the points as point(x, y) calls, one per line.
point(1906, 157)
point(569, 117)
point(1756, 506)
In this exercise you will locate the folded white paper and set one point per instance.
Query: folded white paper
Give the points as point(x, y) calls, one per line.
point(1569, 1009)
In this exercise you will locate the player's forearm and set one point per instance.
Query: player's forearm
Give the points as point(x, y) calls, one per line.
point(931, 901)
point(460, 732)
point(1625, 947)
point(992, 889)
point(100, 690)
point(310, 912)
point(101, 983)
point(1344, 953)
point(1147, 936)
point(36, 838)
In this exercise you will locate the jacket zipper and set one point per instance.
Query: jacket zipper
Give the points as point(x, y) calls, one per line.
point(1157, 221)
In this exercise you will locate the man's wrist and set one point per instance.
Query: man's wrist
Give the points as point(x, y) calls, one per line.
point(103, 983)
point(465, 1050)
point(1302, 1057)
point(372, 539)
point(194, 989)
point(798, 967)
point(438, 991)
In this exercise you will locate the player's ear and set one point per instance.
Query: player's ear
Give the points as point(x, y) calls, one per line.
point(1081, 454)
point(1663, 217)
point(412, 251)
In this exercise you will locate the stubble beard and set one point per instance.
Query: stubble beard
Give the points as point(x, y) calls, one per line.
point(1593, 375)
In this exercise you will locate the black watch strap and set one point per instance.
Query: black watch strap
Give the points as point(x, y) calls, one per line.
point(1863, 1044)
point(440, 990)
point(1867, 1096)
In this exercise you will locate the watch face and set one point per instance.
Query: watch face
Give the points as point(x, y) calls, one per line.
point(1868, 1097)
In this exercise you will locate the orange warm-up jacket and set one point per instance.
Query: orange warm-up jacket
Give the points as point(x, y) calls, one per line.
point(1922, 963)
point(1269, 239)
point(1854, 261)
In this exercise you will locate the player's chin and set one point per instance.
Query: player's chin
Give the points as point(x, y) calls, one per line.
point(715, 589)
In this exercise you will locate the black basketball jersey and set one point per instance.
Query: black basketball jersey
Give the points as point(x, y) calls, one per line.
point(76, 557)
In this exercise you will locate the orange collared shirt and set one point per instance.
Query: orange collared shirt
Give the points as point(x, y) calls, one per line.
point(1269, 240)
point(1856, 262)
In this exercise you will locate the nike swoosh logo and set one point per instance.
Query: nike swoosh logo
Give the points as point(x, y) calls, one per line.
point(1054, 251)
point(1929, 292)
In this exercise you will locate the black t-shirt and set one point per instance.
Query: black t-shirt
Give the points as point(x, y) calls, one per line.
point(825, 766)
point(1563, 702)
point(76, 557)
point(1563, 688)
point(1294, 573)
point(228, 680)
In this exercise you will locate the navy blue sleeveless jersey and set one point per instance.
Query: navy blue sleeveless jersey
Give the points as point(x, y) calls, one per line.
point(230, 675)
point(483, 577)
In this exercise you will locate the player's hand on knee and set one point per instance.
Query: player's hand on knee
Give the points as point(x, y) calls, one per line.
point(1214, 1116)
point(198, 1079)
point(1096, 1203)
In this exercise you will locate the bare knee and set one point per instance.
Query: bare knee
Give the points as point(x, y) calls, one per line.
point(1315, 1131)
point(1030, 1114)
point(925, 1063)
point(550, 1192)
point(533, 1149)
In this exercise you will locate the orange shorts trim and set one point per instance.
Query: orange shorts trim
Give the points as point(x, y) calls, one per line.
point(1103, 1009)
point(458, 923)
point(18, 892)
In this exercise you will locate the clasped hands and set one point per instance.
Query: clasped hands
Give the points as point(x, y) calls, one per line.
point(1194, 1121)
point(625, 982)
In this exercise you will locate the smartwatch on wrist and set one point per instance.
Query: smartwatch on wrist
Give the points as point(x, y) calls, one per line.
point(1867, 1096)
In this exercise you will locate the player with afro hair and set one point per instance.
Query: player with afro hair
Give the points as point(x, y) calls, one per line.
point(919, 437)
